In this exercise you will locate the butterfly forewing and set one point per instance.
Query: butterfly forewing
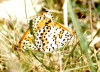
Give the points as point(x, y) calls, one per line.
point(27, 41)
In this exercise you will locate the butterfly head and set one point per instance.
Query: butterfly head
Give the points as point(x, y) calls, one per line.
point(15, 47)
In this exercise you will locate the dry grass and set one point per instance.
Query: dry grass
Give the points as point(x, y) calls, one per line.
point(80, 56)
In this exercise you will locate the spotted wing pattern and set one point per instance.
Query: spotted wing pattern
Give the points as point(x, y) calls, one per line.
point(50, 35)
point(45, 34)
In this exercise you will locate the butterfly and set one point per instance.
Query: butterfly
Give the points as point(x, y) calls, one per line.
point(44, 34)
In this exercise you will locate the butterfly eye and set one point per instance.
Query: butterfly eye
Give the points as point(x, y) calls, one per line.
point(15, 47)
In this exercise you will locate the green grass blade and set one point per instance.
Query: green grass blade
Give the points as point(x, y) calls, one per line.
point(83, 42)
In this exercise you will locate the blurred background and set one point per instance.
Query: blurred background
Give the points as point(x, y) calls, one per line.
point(14, 19)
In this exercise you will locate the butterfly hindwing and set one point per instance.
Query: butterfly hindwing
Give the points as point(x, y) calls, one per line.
point(51, 35)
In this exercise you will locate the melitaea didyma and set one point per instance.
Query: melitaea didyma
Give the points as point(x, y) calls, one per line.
point(45, 34)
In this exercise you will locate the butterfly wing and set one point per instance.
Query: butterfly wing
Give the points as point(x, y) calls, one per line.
point(27, 41)
point(45, 34)
point(47, 14)
point(63, 34)
point(51, 35)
